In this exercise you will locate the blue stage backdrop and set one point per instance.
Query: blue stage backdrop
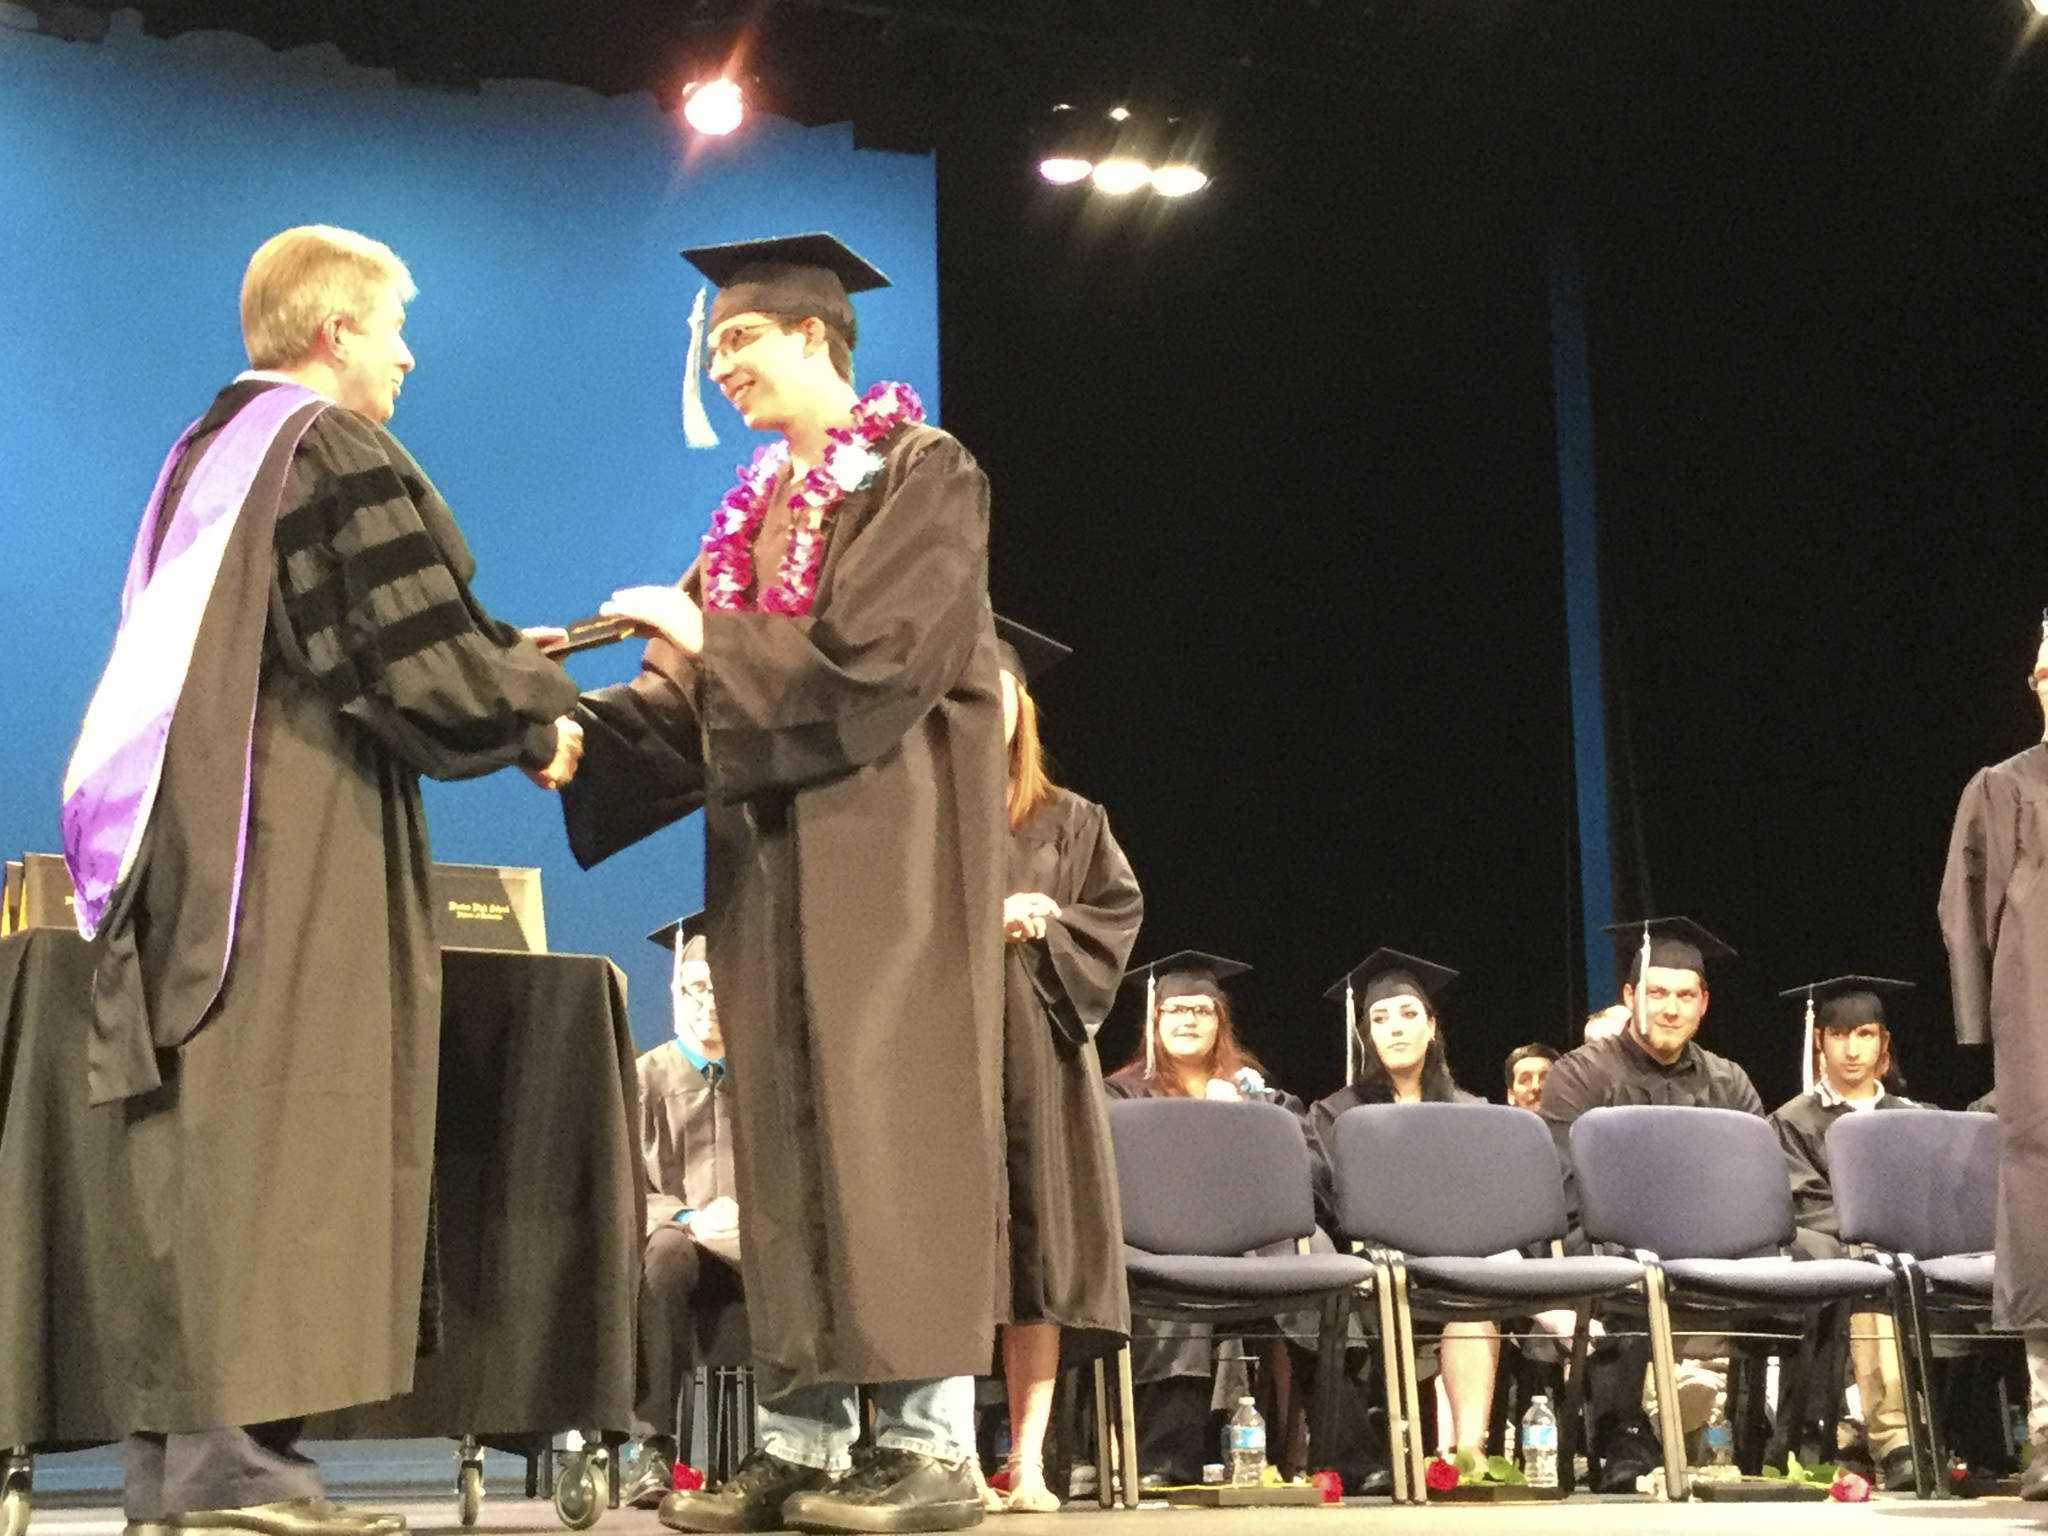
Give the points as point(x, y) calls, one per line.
point(541, 223)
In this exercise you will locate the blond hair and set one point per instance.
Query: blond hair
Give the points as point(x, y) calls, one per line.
point(297, 279)
point(1031, 782)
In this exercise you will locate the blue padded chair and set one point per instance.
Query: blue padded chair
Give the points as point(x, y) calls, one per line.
point(1435, 1192)
point(1701, 1197)
point(1920, 1186)
point(1203, 1183)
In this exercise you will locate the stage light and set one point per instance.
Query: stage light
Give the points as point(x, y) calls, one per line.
point(1118, 176)
point(2040, 7)
point(714, 107)
point(1179, 180)
point(1064, 170)
point(1119, 114)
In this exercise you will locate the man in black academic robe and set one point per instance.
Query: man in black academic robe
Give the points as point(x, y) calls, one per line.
point(1654, 1060)
point(1994, 918)
point(279, 1135)
point(849, 760)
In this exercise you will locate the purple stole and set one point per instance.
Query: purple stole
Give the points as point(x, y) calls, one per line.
point(111, 783)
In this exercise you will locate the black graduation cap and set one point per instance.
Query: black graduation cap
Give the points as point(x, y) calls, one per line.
point(1387, 971)
point(1026, 654)
point(1676, 943)
point(1383, 973)
point(1188, 973)
point(681, 932)
point(798, 275)
point(1185, 973)
point(1841, 1002)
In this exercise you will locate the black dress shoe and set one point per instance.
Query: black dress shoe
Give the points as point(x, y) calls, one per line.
point(891, 1490)
point(1378, 1483)
point(1626, 1455)
point(750, 1500)
point(289, 1517)
point(1898, 1472)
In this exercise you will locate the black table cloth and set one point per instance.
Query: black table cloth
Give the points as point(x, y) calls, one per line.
point(537, 1184)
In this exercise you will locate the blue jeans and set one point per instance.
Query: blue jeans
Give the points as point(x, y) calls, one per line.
point(816, 1426)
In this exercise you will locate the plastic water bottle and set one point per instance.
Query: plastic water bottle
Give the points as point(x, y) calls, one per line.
point(1539, 1443)
point(1720, 1437)
point(1244, 1445)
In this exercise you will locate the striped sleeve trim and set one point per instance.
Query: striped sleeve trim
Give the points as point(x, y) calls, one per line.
point(317, 521)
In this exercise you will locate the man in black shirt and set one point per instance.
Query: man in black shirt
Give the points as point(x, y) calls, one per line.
point(1654, 1060)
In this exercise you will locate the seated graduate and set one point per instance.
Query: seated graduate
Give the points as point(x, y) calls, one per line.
point(1654, 1060)
point(1070, 920)
point(1847, 1064)
point(689, 1269)
point(1189, 1049)
point(1399, 1059)
point(1525, 1070)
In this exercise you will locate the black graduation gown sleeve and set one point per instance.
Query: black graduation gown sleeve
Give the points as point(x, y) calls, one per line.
point(643, 759)
point(789, 702)
point(1973, 885)
point(1077, 967)
point(1802, 1127)
point(373, 594)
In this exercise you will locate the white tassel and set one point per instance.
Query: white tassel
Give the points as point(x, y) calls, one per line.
point(1352, 1044)
point(1643, 975)
point(696, 425)
point(1806, 1059)
point(1151, 1023)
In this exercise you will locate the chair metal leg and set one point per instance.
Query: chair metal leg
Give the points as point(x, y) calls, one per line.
point(1128, 1413)
point(1933, 1472)
point(1571, 1422)
point(1915, 1371)
point(1329, 1375)
point(1105, 1434)
point(1390, 1371)
point(1404, 1323)
point(1669, 1427)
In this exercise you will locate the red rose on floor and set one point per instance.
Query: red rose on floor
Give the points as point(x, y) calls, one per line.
point(1441, 1475)
point(1330, 1485)
point(687, 1478)
point(1850, 1488)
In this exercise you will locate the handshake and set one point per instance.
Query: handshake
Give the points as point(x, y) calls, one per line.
point(568, 753)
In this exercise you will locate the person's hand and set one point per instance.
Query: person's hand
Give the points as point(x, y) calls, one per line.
point(1026, 913)
point(568, 753)
point(546, 636)
point(717, 1221)
point(1222, 1088)
point(664, 611)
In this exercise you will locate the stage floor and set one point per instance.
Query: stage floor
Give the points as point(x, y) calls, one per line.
point(1578, 1517)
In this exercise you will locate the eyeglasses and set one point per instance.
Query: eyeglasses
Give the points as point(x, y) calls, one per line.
point(694, 988)
point(1187, 1011)
point(736, 340)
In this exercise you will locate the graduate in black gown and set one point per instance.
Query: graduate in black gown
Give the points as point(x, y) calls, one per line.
point(1847, 1062)
point(268, 992)
point(1994, 919)
point(1397, 1050)
point(1189, 1049)
point(1654, 1060)
point(1070, 920)
point(823, 683)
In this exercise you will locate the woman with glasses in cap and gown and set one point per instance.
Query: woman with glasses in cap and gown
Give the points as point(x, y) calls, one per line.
point(1070, 920)
point(1398, 1058)
point(1189, 1050)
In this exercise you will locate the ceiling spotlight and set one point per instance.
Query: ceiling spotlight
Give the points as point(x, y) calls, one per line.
point(1064, 170)
point(1118, 176)
point(714, 107)
point(2040, 7)
point(1179, 180)
point(1119, 114)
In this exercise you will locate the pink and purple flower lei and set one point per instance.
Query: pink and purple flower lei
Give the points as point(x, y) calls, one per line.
point(849, 462)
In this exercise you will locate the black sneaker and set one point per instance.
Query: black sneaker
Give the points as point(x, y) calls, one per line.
point(750, 1500)
point(1897, 1474)
point(890, 1490)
